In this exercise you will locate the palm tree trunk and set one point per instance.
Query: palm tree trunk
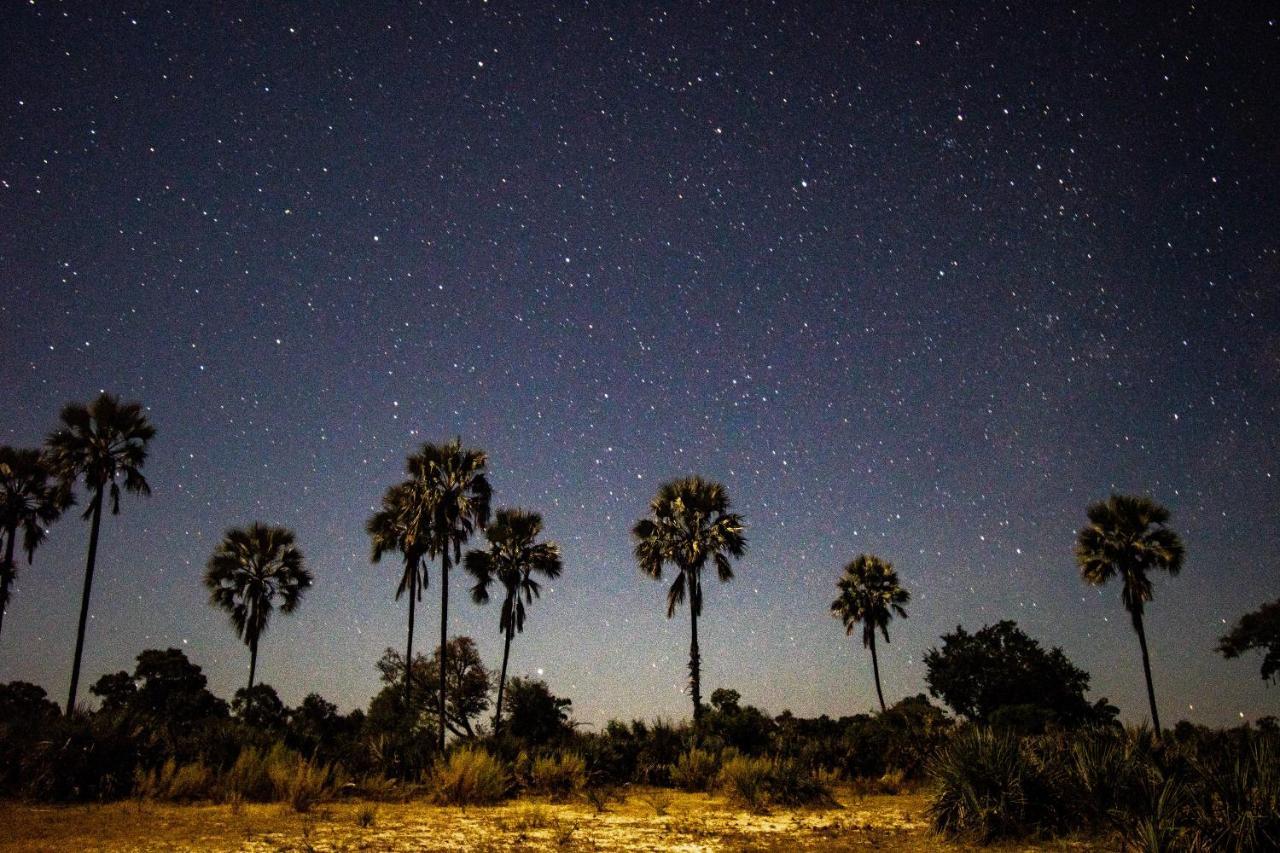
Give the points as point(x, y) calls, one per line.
point(1146, 669)
point(444, 632)
point(408, 646)
point(253, 660)
point(6, 573)
point(96, 525)
point(695, 671)
point(875, 668)
point(502, 681)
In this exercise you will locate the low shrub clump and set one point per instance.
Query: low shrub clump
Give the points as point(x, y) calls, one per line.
point(695, 770)
point(470, 776)
point(559, 777)
point(180, 783)
point(746, 781)
point(988, 788)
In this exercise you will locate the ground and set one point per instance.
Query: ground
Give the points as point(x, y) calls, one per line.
point(645, 819)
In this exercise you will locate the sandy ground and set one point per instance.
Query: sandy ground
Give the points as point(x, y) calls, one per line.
point(644, 820)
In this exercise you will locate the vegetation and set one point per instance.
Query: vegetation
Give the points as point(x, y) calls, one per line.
point(29, 502)
point(871, 595)
point(1000, 675)
point(105, 444)
point(249, 569)
point(514, 556)
point(1127, 537)
point(1028, 756)
point(1257, 631)
point(689, 523)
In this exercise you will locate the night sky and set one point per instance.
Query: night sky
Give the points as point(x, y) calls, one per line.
point(907, 279)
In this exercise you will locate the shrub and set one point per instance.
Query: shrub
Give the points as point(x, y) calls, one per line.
point(366, 815)
point(746, 780)
point(1237, 802)
point(176, 782)
point(249, 778)
point(559, 777)
point(470, 776)
point(791, 783)
point(299, 782)
point(988, 789)
point(695, 770)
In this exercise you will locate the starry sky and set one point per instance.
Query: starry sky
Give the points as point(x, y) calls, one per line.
point(916, 279)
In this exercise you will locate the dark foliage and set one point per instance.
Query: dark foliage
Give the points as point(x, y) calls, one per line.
point(1257, 631)
point(1001, 675)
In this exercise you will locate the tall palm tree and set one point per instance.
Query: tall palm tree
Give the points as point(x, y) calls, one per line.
point(105, 443)
point(400, 527)
point(249, 569)
point(28, 501)
point(1127, 536)
point(513, 557)
point(870, 594)
point(688, 523)
point(455, 494)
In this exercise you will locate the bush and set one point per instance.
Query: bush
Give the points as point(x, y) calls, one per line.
point(989, 789)
point(249, 778)
point(468, 777)
point(1237, 798)
point(299, 782)
point(181, 783)
point(558, 777)
point(793, 784)
point(746, 780)
point(695, 770)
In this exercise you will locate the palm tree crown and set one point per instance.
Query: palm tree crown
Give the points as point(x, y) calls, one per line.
point(689, 523)
point(29, 502)
point(104, 442)
point(399, 527)
point(870, 595)
point(1127, 537)
point(248, 571)
point(513, 557)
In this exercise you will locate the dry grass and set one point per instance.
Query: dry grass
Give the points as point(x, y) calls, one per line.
point(693, 822)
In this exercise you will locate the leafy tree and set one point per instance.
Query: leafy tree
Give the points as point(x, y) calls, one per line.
point(745, 728)
point(22, 703)
point(29, 502)
point(998, 667)
point(105, 443)
point(689, 523)
point(259, 707)
point(1128, 537)
point(466, 678)
point(248, 571)
point(165, 686)
point(400, 526)
point(1259, 630)
point(870, 594)
point(513, 557)
point(535, 714)
point(452, 484)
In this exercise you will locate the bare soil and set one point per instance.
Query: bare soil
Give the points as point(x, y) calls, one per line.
point(644, 820)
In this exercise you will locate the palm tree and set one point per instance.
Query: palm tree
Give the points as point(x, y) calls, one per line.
point(513, 557)
point(455, 495)
point(400, 526)
point(870, 595)
point(1127, 536)
point(689, 522)
point(28, 500)
point(249, 569)
point(104, 442)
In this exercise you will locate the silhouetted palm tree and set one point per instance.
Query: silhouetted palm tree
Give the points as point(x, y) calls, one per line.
point(400, 526)
point(689, 522)
point(103, 442)
point(249, 569)
point(514, 555)
point(28, 501)
point(455, 493)
point(870, 595)
point(1127, 536)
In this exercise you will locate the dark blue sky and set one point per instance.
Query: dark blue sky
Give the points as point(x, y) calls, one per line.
point(922, 282)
